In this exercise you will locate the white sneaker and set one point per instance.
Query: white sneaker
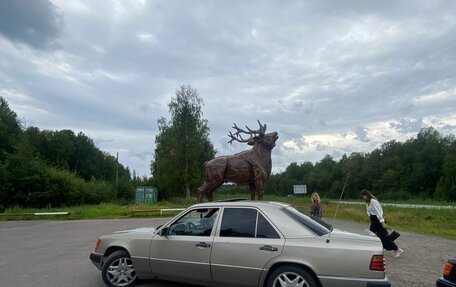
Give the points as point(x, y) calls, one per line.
point(398, 252)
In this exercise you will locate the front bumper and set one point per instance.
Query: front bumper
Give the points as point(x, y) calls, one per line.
point(97, 259)
point(442, 282)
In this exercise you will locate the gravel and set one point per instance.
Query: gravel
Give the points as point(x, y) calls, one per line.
point(55, 253)
point(422, 261)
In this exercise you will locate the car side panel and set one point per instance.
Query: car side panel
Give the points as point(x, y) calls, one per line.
point(239, 261)
point(142, 267)
point(179, 256)
point(329, 260)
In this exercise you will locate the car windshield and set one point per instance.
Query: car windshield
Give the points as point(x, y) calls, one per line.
point(316, 225)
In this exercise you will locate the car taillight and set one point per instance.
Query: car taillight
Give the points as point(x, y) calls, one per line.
point(377, 263)
point(447, 269)
point(97, 244)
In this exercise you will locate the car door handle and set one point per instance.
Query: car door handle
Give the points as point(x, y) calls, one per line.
point(203, 245)
point(268, 248)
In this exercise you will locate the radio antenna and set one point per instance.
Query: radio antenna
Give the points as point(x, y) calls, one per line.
point(341, 194)
point(340, 198)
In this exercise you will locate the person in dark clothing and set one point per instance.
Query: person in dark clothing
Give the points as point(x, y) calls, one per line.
point(378, 223)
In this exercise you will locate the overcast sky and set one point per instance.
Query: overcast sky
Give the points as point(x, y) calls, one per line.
point(331, 77)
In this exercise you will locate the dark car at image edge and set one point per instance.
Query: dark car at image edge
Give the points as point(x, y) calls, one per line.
point(449, 275)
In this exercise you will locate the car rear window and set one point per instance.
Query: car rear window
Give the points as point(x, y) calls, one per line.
point(264, 229)
point(317, 226)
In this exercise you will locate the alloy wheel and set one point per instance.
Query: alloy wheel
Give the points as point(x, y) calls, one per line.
point(290, 279)
point(121, 272)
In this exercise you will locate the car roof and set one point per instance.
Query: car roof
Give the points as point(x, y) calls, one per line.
point(243, 203)
point(288, 226)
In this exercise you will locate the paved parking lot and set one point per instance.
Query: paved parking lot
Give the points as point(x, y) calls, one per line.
point(55, 253)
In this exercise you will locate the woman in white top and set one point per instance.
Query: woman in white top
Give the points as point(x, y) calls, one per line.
point(378, 224)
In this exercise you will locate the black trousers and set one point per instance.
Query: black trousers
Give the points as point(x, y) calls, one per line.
point(377, 228)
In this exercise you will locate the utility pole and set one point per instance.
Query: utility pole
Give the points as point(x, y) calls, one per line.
point(117, 174)
point(187, 188)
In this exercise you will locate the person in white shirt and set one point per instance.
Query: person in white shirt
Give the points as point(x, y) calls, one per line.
point(378, 223)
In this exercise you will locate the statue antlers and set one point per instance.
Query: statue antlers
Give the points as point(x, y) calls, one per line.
point(253, 133)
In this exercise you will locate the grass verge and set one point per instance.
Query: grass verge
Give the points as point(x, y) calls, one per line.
point(439, 222)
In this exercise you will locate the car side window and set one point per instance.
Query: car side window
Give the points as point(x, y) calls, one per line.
point(265, 229)
point(238, 222)
point(246, 222)
point(197, 222)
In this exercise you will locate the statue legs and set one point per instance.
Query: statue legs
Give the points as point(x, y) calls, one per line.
point(208, 190)
point(201, 192)
point(259, 178)
point(252, 191)
point(259, 186)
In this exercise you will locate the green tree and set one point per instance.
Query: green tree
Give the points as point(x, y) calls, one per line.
point(446, 186)
point(42, 168)
point(427, 166)
point(25, 177)
point(424, 166)
point(10, 129)
point(182, 145)
point(323, 175)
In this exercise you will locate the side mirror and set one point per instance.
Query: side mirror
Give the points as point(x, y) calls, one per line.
point(163, 231)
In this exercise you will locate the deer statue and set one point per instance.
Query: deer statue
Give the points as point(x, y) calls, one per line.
point(250, 167)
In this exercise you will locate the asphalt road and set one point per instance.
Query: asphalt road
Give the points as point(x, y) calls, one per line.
point(55, 253)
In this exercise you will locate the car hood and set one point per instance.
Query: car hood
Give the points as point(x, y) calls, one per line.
point(137, 230)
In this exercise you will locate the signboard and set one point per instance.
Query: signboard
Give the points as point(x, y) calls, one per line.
point(299, 189)
point(146, 194)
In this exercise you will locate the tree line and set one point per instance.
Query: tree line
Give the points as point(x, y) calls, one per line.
point(39, 168)
point(421, 167)
point(55, 168)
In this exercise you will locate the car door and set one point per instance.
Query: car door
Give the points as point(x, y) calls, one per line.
point(245, 242)
point(184, 251)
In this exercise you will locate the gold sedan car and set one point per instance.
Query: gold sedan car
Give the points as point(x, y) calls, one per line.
point(242, 243)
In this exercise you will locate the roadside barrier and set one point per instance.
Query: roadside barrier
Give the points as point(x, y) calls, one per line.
point(145, 211)
point(34, 213)
point(157, 210)
point(400, 205)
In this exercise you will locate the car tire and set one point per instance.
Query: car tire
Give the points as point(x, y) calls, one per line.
point(118, 270)
point(290, 275)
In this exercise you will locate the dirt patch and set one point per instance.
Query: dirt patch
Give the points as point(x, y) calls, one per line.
point(421, 263)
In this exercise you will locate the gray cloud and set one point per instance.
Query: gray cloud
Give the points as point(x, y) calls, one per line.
point(308, 69)
point(407, 125)
point(36, 23)
point(361, 134)
point(449, 128)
